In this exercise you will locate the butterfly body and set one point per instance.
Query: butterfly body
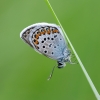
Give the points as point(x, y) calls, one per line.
point(47, 39)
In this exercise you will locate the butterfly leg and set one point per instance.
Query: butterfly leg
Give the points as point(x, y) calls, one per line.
point(51, 73)
point(69, 60)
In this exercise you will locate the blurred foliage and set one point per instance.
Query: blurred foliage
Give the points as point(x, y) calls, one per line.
point(24, 72)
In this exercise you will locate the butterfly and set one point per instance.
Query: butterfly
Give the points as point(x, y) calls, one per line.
point(48, 39)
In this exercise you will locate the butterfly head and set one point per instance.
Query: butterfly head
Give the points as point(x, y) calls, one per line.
point(66, 58)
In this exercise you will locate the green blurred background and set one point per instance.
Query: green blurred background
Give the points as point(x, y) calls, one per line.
point(24, 72)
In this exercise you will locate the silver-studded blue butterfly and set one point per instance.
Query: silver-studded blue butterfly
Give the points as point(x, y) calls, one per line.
point(48, 39)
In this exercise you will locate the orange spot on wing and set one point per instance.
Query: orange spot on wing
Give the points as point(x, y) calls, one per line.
point(36, 42)
point(37, 36)
point(55, 31)
point(43, 32)
point(39, 33)
point(48, 31)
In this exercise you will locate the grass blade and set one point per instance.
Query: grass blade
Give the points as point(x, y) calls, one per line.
point(80, 62)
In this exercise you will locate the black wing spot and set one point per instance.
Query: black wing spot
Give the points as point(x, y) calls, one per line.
point(52, 29)
point(32, 36)
point(55, 36)
point(34, 40)
point(42, 41)
point(35, 35)
point(33, 32)
point(43, 46)
point(52, 38)
point(50, 45)
point(45, 51)
point(48, 38)
point(54, 46)
point(52, 52)
point(60, 39)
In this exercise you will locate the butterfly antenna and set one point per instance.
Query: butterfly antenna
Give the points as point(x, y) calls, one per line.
point(51, 73)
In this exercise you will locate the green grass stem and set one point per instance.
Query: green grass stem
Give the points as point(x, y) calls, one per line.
point(80, 62)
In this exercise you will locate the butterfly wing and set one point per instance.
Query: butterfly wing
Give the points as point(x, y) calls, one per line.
point(25, 34)
point(46, 39)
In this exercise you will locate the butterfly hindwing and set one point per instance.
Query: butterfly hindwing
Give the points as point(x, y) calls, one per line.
point(45, 38)
point(25, 35)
